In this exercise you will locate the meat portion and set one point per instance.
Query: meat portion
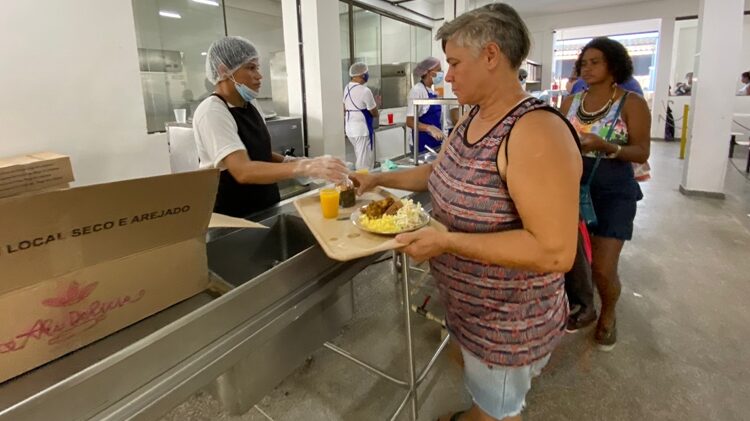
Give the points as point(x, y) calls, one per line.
point(377, 208)
point(393, 209)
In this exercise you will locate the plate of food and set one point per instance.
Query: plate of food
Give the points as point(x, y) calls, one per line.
point(390, 216)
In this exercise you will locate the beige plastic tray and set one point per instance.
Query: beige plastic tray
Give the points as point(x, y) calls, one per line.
point(339, 238)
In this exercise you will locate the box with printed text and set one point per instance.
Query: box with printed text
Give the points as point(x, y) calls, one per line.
point(79, 264)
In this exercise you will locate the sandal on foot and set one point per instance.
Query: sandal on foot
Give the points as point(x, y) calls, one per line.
point(579, 320)
point(606, 337)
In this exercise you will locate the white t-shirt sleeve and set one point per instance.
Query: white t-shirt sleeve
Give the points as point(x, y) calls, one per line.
point(418, 91)
point(216, 134)
point(369, 99)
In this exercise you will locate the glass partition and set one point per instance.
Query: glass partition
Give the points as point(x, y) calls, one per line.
point(345, 40)
point(172, 38)
point(367, 46)
point(389, 46)
point(261, 22)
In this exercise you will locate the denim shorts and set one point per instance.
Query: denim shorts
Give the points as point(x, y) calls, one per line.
point(615, 195)
point(499, 391)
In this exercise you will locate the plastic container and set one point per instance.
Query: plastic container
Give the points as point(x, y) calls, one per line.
point(347, 195)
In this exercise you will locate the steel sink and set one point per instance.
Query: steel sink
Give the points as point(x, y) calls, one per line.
point(247, 253)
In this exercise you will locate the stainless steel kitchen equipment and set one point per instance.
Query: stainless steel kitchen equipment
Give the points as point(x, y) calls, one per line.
point(395, 84)
point(287, 138)
point(286, 134)
point(165, 86)
point(279, 83)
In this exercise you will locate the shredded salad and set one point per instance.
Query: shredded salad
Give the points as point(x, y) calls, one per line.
point(408, 217)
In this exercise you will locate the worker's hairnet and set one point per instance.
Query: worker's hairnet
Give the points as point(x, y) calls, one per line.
point(358, 69)
point(233, 53)
point(424, 66)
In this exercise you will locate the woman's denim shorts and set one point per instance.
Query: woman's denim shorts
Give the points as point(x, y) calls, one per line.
point(499, 391)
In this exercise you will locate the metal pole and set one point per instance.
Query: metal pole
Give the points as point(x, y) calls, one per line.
point(400, 407)
point(346, 354)
point(415, 135)
point(432, 362)
point(406, 141)
point(409, 338)
point(683, 135)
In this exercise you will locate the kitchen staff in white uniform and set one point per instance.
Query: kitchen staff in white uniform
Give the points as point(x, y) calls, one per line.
point(360, 110)
point(231, 134)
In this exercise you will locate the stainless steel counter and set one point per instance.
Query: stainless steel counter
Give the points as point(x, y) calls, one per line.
point(275, 298)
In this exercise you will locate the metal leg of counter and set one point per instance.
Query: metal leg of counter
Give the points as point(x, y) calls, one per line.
point(401, 263)
point(246, 383)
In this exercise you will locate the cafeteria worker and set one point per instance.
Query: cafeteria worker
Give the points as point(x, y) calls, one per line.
point(231, 134)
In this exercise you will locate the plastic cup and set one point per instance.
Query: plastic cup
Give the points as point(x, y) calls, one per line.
point(390, 118)
point(180, 114)
point(329, 202)
point(362, 171)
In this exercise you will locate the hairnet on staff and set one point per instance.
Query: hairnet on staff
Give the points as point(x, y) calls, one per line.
point(424, 66)
point(231, 52)
point(358, 69)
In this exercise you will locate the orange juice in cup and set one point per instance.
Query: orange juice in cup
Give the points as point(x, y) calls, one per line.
point(329, 202)
point(362, 171)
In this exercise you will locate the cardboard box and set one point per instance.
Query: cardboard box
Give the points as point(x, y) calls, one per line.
point(79, 264)
point(33, 172)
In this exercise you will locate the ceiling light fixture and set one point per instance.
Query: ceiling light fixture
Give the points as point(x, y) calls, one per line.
point(167, 14)
point(208, 2)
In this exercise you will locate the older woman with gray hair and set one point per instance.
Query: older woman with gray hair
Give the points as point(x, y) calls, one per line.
point(506, 186)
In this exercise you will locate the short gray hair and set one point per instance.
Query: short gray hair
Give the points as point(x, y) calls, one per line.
point(496, 22)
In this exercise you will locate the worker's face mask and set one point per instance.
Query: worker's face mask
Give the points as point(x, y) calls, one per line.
point(438, 78)
point(366, 77)
point(246, 93)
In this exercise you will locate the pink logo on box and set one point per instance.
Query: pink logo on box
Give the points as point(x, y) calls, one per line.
point(71, 322)
point(74, 295)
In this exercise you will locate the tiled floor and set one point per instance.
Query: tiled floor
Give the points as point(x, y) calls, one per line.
point(683, 321)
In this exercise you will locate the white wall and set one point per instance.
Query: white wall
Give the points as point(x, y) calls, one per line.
point(618, 28)
point(684, 53)
point(683, 56)
point(710, 128)
point(323, 81)
point(71, 84)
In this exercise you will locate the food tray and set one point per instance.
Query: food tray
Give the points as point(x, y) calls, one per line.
point(339, 238)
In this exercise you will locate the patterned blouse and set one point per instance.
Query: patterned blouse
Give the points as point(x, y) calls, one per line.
point(503, 316)
point(600, 127)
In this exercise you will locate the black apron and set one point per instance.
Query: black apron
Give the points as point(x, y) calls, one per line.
point(240, 200)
